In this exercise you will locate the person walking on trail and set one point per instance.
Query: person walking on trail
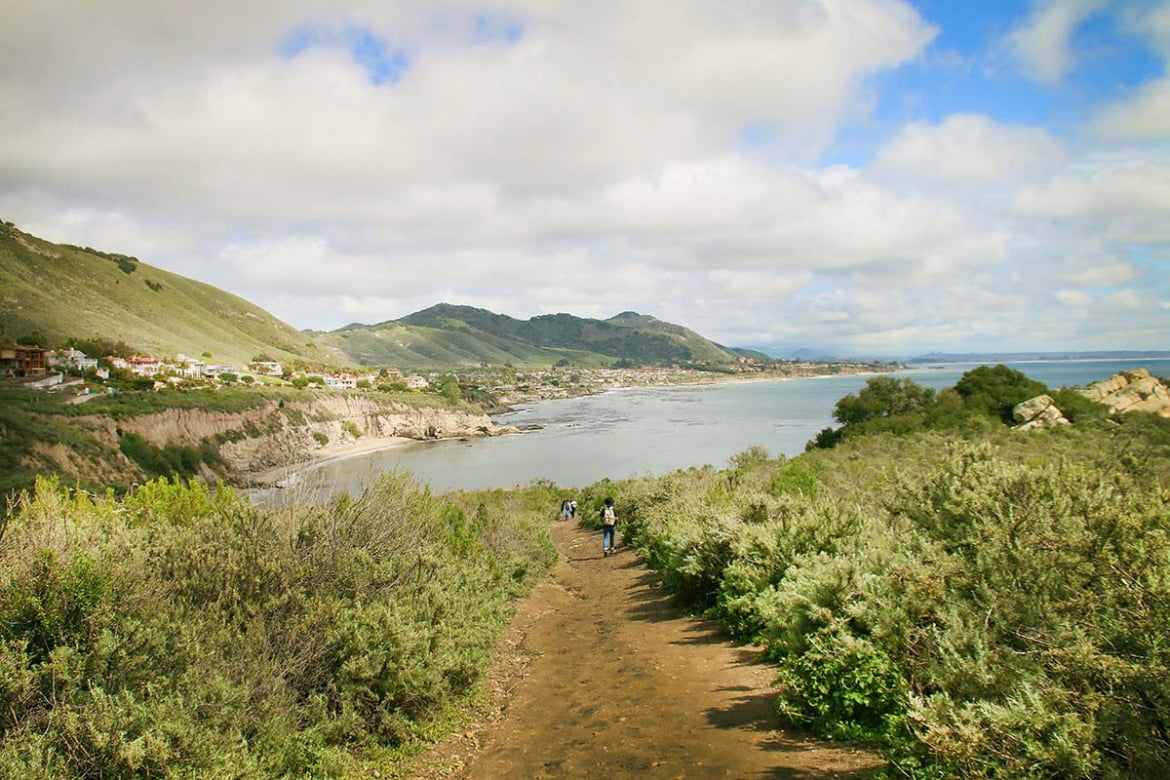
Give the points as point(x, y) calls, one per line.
point(566, 509)
point(608, 528)
point(572, 507)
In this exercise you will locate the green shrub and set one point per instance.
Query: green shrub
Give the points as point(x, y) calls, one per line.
point(182, 632)
point(842, 687)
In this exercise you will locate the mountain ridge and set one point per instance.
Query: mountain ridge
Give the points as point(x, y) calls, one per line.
point(55, 294)
point(461, 335)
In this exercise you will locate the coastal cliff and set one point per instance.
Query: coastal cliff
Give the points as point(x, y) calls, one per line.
point(248, 444)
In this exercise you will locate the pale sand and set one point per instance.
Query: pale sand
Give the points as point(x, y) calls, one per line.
point(329, 453)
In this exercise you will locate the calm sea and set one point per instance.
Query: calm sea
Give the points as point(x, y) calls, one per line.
point(642, 431)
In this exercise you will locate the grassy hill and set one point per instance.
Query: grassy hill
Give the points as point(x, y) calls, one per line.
point(58, 292)
point(50, 293)
point(451, 335)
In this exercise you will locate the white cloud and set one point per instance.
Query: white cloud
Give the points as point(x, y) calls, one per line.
point(1042, 43)
point(970, 148)
point(1145, 116)
point(578, 158)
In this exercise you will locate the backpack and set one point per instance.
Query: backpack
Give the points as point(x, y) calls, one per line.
point(608, 516)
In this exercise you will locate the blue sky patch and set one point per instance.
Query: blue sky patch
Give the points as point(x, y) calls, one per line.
point(382, 63)
point(969, 68)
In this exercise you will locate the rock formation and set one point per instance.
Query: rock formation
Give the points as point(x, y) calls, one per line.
point(1132, 391)
point(1038, 412)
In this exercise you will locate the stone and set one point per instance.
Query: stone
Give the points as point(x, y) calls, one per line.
point(1038, 412)
point(1131, 391)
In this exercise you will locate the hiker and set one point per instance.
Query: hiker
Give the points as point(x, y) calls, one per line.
point(566, 509)
point(608, 528)
point(572, 507)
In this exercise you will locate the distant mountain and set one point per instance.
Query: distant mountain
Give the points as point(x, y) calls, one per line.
point(450, 335)
point(53, 292)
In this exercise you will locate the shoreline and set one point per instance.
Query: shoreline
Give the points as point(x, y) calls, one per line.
point(272, 479)
point(286, 476)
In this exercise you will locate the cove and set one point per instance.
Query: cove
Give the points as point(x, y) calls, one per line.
point(643, 431)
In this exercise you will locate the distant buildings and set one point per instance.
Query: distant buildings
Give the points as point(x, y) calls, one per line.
point(19, 361)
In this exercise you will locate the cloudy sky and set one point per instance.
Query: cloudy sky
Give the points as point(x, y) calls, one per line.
point(870, 176)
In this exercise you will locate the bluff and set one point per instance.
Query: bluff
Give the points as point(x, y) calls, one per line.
point(274, 435)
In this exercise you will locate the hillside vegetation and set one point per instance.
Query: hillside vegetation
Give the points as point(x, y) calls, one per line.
point(180, 633)
point(451, 335)
point(978, 602)
point(975, 601)
point(50, 293)
point(55, 294)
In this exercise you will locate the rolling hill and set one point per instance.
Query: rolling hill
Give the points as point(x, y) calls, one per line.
point(57, 292)
point(50, 293)
point(450, 335)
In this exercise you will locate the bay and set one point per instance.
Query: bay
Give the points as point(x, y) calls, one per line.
point(644, 431)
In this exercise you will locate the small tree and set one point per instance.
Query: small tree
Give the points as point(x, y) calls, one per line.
point(883, 396)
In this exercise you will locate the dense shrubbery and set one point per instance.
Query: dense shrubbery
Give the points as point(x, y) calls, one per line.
point(980, 401)
point(991, 609)
point(180, 632)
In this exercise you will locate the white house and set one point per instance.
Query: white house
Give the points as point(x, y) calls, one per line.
point(343, 382)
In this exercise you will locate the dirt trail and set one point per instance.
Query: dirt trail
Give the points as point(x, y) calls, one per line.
point(609, 681)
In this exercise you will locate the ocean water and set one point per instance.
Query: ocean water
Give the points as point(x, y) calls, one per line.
point(644, 431)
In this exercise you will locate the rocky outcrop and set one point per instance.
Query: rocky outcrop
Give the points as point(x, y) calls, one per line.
point(281, 434)
point(1038, 412)
point(1132, 391)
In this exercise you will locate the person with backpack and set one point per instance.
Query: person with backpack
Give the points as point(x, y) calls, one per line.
point(608, 528)
point(566, 509)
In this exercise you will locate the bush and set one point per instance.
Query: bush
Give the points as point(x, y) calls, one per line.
point(995, 609)
point(181, 632)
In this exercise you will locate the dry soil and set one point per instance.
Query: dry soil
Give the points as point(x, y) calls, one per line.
point(600, 677)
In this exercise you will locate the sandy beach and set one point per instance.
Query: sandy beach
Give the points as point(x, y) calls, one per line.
point(287, 475)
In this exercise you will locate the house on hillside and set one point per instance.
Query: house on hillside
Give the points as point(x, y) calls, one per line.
point(142, 365)
point(342, 382)
point(21, 361)
point(73, 358)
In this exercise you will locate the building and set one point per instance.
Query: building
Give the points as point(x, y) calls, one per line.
point(343, 382)
point(22, 361)
point(141, 365)
point(74, 358)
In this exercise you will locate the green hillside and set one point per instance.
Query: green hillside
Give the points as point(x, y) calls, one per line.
point(50, 293)
point(55, 292)
point(451, 335)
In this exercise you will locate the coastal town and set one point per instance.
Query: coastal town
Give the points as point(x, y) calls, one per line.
point(72, 371)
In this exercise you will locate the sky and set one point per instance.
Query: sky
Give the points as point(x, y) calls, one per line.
point(870, 177)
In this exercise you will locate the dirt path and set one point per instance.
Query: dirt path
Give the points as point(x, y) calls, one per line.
point(607, 680)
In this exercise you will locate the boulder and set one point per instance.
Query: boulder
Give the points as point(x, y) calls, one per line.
point(1131, 391)
point(1038, 412)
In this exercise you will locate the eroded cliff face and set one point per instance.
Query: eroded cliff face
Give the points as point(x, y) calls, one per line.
point(281, 434)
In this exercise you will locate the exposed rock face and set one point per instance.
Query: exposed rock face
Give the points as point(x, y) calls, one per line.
point(275, 436)
point(1038, 412)
point(1132, 391)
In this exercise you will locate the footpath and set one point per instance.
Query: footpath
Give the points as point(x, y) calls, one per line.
point(600, 677)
